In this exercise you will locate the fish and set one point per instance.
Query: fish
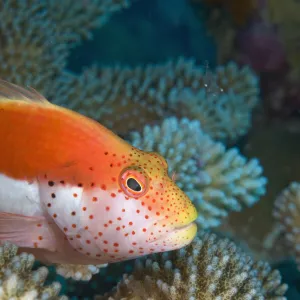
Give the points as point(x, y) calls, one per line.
point(74, 192)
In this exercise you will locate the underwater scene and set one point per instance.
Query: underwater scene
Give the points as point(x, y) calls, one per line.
point(150, 149)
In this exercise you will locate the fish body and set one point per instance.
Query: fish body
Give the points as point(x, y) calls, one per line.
point(71, 191)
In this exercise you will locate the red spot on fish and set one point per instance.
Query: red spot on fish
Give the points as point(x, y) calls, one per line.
point(105, 242)
point(119, 219)
point(49, 204)
point(84, 208)
point(39, 225)
point(78, 236)
point(133, 232)
point(118, 228)
point(88, 241)
point(35, 245)
point(86, 227)
point(75, 195)
point(113, 195)
point(103, 187)
point(73, 213)
point(54, 215)
point(123, 210)
point(138, 211)
point(130, 223)
point(100, 233)
point(95, 199)
point(130, 251)
point(144, 229)
point(116, 244)
point(107, 208)
point(65, 229)
point(146, 217)
point(91, 217)
point(74, 225)
point(40, 237)
point(114, 179)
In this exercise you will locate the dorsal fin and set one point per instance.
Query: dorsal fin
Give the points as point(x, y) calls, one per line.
point(10, 91)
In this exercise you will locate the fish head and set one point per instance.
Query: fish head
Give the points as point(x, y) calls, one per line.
point(138, 212)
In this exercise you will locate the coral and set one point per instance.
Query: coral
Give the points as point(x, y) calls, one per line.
point(209, 268)
point(76, 23)
point(225, 106)
point(30, 52)
point(73, 91)
point(129, 98)
point(287, 213)
point(19, 281)
point(34, 52)
point(217, 180)
point(78, 272)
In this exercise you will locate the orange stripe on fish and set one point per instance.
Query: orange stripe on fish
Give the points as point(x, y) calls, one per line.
point(91, 192)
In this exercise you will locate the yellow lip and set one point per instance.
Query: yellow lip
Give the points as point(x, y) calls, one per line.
point(185, 233)
point(187, 227)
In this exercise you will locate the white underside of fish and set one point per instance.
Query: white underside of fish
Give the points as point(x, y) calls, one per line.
point(19, 197)
point(25, 219)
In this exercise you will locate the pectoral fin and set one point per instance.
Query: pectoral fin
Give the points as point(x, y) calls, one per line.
point(29, 232)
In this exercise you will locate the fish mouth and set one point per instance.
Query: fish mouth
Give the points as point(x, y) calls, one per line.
point(183, 227)
point(188, 230)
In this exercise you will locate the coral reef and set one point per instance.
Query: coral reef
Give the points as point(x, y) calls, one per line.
point(216, 179)
point(287, 213)
point(19, 281)
point(209, 268)
point(36, 36)
point(77, 23)
point(30, 51)
point(128, 98)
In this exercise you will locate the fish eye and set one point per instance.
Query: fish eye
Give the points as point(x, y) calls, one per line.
point(133, 184)
point(133, 181)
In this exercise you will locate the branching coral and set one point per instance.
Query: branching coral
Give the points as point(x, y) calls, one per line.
point(76, 23)
point(34, 52)
point(78, 272)
point(217, 180)
point(129, 98)
point(206, 269)
point(224, 108)
point(18, 281)
point(287, 213)
point(30, 52)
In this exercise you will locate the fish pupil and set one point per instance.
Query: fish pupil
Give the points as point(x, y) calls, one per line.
point(133, 185)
